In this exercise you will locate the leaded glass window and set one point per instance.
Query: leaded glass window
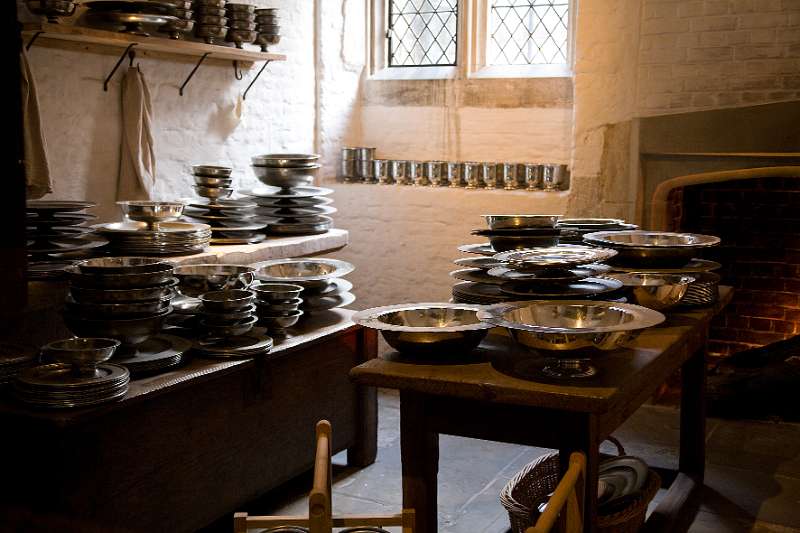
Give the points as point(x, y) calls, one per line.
point(422, 33)
point(528, 32)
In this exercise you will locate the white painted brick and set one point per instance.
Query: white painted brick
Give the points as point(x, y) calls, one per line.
point(756, 51)
point(716, 7)
point(692, 8)
point(719, 53)
point(713, 23)
point(788, 35)
point(762, 20)
point(762, 36)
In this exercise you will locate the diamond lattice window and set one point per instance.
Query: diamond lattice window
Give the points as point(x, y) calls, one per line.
point(422, 33)
point(528, 32)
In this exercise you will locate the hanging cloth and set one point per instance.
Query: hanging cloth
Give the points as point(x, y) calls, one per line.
point(37, 171)
point(137, 162)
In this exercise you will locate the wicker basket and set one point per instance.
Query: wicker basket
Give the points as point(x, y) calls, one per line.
point(531, 487)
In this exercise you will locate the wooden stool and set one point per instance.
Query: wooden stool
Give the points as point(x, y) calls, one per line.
point(320, 517)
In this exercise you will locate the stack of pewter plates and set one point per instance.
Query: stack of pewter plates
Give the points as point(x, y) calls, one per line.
point(14, 359)
point(168, 238)
point(231, 221)
point(58, 386)
point(55, 227)
point(301, 210)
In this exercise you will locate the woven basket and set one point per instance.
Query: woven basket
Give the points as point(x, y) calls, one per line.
point(532, 486)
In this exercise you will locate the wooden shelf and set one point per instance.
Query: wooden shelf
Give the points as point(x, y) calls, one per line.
point(92, 36)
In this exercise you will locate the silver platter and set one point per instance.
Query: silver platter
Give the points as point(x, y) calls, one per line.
point(58, 377)
point(66, 245)
point(695, 265)
point(293, 202)
point(326, 302)
point(563, 275)
point(562, 256)
point(56, 206)
point(476, 275)
point(207, 218)
point(238, 205)
point(587, 288)
point(140, 229)
point(294, 270)
point(651, 239)
point(483, 263)
point(296, 212)
point(479, 249)
point(157, 353)
point(277, 193)
point(253, 343)
point(58, 219)
point(227, 241)
point(479, 293)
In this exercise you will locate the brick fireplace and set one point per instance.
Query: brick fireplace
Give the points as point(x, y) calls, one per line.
point(758, 219)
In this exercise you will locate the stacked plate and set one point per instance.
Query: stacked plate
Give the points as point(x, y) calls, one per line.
point(130, 16)
point(14, 358)
point(168, 238)
point(302, 210)
point(267, 27)
point(619, 478)
point(581, 226)
point(231, 221)
point(323, 288)
point(252, 344)
point(559, 272)
point(211, 23)
point(184, 23)
point(227, 313)
point(58, 386)
point(56, 228)
point(242, 23)
point(517, 232)
point(127, 299)
point(703, 291)
point(278, 306)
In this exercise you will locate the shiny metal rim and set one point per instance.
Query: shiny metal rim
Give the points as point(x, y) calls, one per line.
point(479, 249)
point(369, 317)
point(561, 255)
point(342, 268)
point(693, 266)
point(278, 193)
point(476, 275)
point(51, 376)
point(700, 240)
point(586, 287)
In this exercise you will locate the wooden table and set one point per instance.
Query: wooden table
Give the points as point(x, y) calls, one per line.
point(471, 397)
point(184, 448)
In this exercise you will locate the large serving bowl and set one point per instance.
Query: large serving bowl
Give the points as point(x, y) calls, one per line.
point(427, 328)
point(195, 280)
point(130, 331)
point(286, 177)
point(212, 171)
point(654, 290)
point(311, 274)
point(520, 221)
point(652, 248)
point(571, 329)
point(285, 160)
point(158, 274)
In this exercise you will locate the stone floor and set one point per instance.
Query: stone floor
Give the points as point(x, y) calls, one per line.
point(752, 475)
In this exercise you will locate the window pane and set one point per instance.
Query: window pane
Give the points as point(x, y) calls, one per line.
point(528, 32)
point(422, 32)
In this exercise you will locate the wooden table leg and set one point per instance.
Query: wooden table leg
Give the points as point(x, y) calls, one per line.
point(365, 449)
point(419, 449)
point(693, 416)
point(582, 437)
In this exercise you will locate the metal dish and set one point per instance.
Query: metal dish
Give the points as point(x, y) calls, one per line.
point(218, 4)
point(242, 239)
point(480, 249)
point(279, 308)
point(597, 223)
point(139, 229)
point(293, 202)
point(201, 9)
point(483, 263)
point(302, 270)
point(276, 292)
point(427, 328)
point(227, 300)
point(571, 329)
point(208, 181)
point(266, 39)
point(690, 268)
point(132, 6)
point(654, 291)
point(286, 160)
point(133, 280)
point(84, 354)
point(57, 219)
point(294, 212)
point(119, 309)
point(478, 293)
point(544, 276)
point(240, 8)
point(106, 296)
point(56, 386)
point(703, 291)
point(178, 28)
point(212, 20)
point(301, 228)
point(64, 245)
point(324, 302)
point(156, 354)
point(47, 270)
point(243, 25)
point(209, 33)
point(286, 177)
point(505, 243)
point(129, 22)
point(589, 288)
point(213, 192)
point(475, 275)
point(520, 221)
point(329, 286)
point(212, 171)
point(239, 206)
point(652, 248)
point(121, 265)
point(231, 330)
point(228, 317)
point(277, 324)
point(295, 193)
point(50, 207)
point(241, 36)
point(562, 256)
point(198, 279)
point(252, 344)
point(128, 331)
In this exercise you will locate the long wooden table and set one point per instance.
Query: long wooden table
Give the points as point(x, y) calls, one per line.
point(495, 394)
point(184, 448)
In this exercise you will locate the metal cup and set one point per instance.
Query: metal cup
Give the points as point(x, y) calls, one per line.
point(469, 175)
point(555, 177)
point(379, 170)
point(395, 171)
point(347, 170)
point(364, 170)
point(505, 174)
point(486, 175)
point(364, 153)
point(530, 176)
point(349, 153)
point(450, 174)
point(432, 171)
point(413, 173)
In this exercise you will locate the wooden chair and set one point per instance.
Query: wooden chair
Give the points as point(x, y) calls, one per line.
point(566, 504)
point(320, 517)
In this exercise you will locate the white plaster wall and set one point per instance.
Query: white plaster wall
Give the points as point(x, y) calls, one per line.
point(82, 124)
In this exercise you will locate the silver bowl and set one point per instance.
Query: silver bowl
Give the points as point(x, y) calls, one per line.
point(520, 221)
point(107, 296)
point(198, 279)
point(286, 177)
point(276, 292)
point(240, 8)
point(227, 300)
point(210, 33)
point(121, 265)
point(134, 280)
point(427, 328)
point(212, 171)
point(228, 317)
point(242, 25)
point(83, 353)
point(213, 192)
point(213, 20)
point(266, 39)
point(209, 181)
point(571, 330)
point(654, 290)
point(239, 327)
point(286, 160)
point(241, 36)
point(129, 331)
point(652, 248)
point(279, 308)
point(277, 324)
point(561, 256)
point(505, 243)
point(151, 213)
point(119, 309)
point(311, 273)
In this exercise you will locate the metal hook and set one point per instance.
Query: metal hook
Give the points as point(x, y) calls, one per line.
point(244, 96)
point(180, 91)
point(237, 72)
point(33, 40)
point(119, 62)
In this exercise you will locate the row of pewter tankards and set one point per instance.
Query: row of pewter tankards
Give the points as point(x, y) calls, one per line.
point(466, 174)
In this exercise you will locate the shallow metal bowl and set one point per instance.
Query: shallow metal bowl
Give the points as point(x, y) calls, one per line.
point(652, 248)
point(151, 212)
point(654, 290)
point(276, 292)
point(427, 328)
point(227, 300)
point(504, 243)
point(213, 192)
point(300, 271)
point(81, 351)
point(277, 323)
point(210, 181)
point(134, 280)
point(286, 177)
point(107, 296)
point(129, 331)
point(569, 325)
point(120, 309)
point(520, 221)
point(561, 256)
point(121, 265)
point(286, 160)
point(212, 171)
point(240, 327)
point(228, 317)
point(284, 307)
point(198, 279)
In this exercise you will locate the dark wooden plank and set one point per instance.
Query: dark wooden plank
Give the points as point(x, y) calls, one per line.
point(677, 508)
point(693, 417)
point(419, 449)
point(365, 450)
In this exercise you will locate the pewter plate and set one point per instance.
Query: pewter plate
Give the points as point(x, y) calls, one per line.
point(553, 275)
point(651, 239)
point(156, 353)
point(483, 263)
point(296, 212)
point(587, 288)
point(141, 229)
point(325, 302)
point(222, 204)
point(278, 193)
point(50, 206)
point(476, 275)
point(479, 249)
point(59, 376)
point(58, 219)
point(479, 293)
point(293, 202)
point(228, 241)
point(65, 245)
point(248, 345)
point(563, 255)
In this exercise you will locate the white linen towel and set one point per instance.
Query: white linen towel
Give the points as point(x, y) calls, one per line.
point(137, 162)
point(37, 171)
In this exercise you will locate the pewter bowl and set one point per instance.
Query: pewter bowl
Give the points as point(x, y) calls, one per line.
point(312, 273)
point(151, 213)
point(276, 292)
point(119, 309)
point(133, 280)
point(520, 221)
point(121, 265)
point(652, 248)
point(286, 177)
point(213, 192)
point(130, 331)
point(107, 296)
point(654, 290)
point(277, 324)
point(227, 300)
point(83, 353)
point(212, 171)
point(240, 327)
point(285, 160)
point(198, 279)
point(210, 181)
point(427, 328)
